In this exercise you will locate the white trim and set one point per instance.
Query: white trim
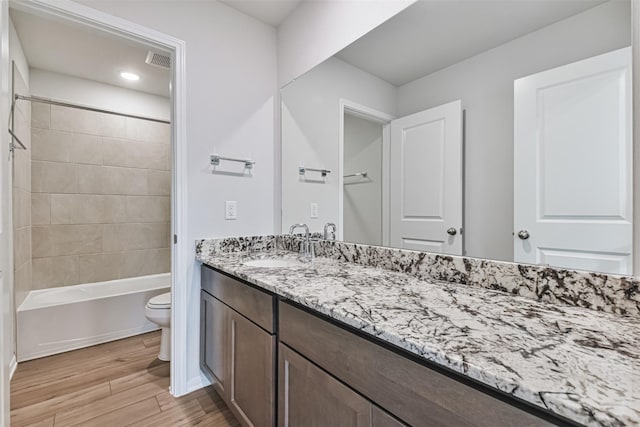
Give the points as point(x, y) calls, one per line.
point(197, 383)
point(371, 115)
point(70, 11)
point(635, 43)
point(6, 247)
point(13, 365)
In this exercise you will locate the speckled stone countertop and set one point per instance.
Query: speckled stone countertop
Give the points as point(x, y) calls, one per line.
point(581, 364)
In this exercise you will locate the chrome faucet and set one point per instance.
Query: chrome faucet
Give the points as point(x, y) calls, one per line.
point(326, 230)
point(305, 248)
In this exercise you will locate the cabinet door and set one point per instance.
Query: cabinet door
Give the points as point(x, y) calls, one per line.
point(252, 372)
point(380, 418)
point(308, 396)
point(214, 342)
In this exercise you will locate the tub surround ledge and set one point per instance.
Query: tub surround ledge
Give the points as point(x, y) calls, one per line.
point(580, 364)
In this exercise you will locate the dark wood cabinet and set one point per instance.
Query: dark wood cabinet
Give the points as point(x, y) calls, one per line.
point(380, 418)
point(236, 353)
point(252, 372)
point(214, 342)
point(308, 396)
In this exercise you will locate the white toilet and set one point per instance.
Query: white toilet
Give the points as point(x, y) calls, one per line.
point(158, 311)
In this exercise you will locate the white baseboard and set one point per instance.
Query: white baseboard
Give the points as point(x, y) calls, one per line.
point(13, 365)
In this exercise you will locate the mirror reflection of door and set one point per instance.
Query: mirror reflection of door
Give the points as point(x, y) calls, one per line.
point(426, 180)
point(573, 165)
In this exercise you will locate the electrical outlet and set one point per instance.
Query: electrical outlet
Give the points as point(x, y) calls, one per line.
point(230, 209)
point(314, 210)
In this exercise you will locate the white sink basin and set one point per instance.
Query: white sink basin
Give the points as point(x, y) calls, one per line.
point(272, 263)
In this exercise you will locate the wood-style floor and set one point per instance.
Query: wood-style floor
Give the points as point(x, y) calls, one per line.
point(121, 383)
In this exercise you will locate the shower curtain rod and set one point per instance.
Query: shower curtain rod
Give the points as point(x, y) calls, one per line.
point(66, 104)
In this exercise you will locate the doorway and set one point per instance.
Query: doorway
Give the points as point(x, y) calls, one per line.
point(98, 22)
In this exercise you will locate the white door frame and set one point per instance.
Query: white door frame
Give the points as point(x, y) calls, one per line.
point(375, 116)
point(74, 12)
point(6, 244)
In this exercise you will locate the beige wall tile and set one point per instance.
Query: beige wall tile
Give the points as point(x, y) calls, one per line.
point(21, 208)
point(145, 130)
point(22, 278)
point(40, 115)
point(135, 154)
point(60, 240)
point(21, 246)
point(112, 180)
point(50, 145)
point(67, 147)
point(87, 122)
point(99, 267)
point(146, 209)
point(53, 177)
point(21, 170)
point(54, 272)
point(40, 208)
point(22, 127)
point(144, 262)
point(81, 209)
point(90, 179)
point(101, 190)
point(127, 237)
point(159, 183)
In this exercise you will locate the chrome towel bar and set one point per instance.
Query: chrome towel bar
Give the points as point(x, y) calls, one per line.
point(215, 161)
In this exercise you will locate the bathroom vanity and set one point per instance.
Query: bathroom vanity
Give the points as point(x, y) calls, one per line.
point(342, 343)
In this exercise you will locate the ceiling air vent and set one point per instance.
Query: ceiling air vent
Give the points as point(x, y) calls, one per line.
point(158, 59)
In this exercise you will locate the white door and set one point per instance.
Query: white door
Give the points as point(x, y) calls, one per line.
point(425, 188)
point(573, 165)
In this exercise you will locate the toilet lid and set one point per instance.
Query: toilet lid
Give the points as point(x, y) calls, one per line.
point(160, 301)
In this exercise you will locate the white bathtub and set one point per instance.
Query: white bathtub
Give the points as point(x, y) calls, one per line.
point(56, 320)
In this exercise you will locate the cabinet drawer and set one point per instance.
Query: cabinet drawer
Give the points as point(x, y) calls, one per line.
point(254, 304)
point(414, 393)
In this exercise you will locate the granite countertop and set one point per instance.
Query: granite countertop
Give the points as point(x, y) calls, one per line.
point(578, 363)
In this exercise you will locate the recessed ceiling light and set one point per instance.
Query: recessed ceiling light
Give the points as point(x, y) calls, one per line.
point(129, 76)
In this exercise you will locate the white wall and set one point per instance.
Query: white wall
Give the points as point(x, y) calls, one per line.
point(362, 201)
point(75, 90)
point(310, 135)
point(484, 83)
point(317, 30)
point(231, 88)
point(16, 52)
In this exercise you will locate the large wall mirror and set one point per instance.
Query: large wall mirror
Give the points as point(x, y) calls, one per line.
point(494, 129)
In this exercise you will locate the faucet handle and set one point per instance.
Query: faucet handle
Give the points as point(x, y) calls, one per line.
point(326, 231)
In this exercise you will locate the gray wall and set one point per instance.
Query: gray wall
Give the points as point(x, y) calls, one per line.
point(484, 83)
point(362, 203)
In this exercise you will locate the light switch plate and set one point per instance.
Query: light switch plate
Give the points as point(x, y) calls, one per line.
point(314, 210)
point(230, 209)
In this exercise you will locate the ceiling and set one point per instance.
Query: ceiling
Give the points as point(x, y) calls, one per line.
point(86, 53)
point(271, 12)
point(433, 34)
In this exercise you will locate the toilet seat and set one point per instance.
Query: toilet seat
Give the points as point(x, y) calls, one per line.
point(162, 301)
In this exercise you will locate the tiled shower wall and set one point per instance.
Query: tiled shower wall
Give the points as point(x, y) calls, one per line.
point(21, 194)
point(100, 196)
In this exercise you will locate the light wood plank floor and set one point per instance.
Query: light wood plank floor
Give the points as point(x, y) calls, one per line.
point(121, 383)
